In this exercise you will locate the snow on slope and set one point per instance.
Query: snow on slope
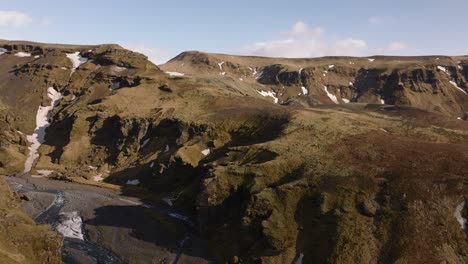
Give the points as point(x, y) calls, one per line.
point(76, 60)
point(456, 86)
point(330, 95)
point(42, 122)
point(269, 94)
point(23, 54)
point(458, 215)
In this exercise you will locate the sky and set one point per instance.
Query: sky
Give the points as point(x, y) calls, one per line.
point(300, 28)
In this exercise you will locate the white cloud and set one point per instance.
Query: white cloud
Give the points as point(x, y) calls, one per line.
point(391, 48)
point(301, 29)
point(349, 46)
point(154, 54)
point(14, 19)
point(289, 48)
point(306, 41)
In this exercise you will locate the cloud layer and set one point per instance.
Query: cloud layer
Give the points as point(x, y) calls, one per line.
point(14, 19)
point(302, 40)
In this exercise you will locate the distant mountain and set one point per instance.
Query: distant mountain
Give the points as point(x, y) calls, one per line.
point(326, 160)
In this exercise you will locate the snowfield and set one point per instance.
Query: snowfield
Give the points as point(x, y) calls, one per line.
point(42, 122)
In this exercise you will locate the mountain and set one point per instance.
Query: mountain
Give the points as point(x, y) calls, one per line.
point(327, 160)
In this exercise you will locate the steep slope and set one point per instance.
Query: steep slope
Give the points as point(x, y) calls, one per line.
point(303, 180)
point(434, 83)
point(21, 240)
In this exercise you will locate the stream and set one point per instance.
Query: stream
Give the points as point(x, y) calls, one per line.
point(103, 226)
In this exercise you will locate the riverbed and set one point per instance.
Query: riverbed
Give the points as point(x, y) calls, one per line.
point(104, 226)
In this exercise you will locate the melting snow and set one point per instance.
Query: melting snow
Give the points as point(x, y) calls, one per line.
point(458, 215)
point(206, 152)
point(304, 90)
point(76, 60)
point(299, 259)
point(42, 122)
point(2, 50)
point(456, 86)
point(70, 225)
point(168, 200)
point(331, 96)
point(45, 172)
point(175, 73)
point(331, 66)
point(259, 75)
point(300, 71)
point(133, 182)
point(23, 54)
point(269, 94)
point(345, 100)
point(37, 56)
point(221, 65)
point(145, 143)
point(371, 60)
point(98, 178)
point(442, 69)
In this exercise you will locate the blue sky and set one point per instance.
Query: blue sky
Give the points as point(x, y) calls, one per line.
point(301, 28)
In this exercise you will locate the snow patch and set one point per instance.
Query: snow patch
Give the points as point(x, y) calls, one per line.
point(304, 90)
point(114, 86)
point(45, 173)
point(458, 215)
point(351, 84)
point(167, 148)
point(460, 67)
point(175, 73)
point(76, 60)
point(442, 69)
point(371, 60)
point(382, 101)
point(133, 182)
point(92, 167)
point(259, 75)
point(2, 50)
point(70, 225)
point(269, 94)
point(330, 95)
point(221, 65)
point(206, 152)
point(145, 142)
point(345, 100)
point(152, 164)
point(98, 178)
point(456, 86)
point(331, 66)
point(37, 56)
point(168, 200)
point(299, 259)
point(42, 122)
point(22, 54)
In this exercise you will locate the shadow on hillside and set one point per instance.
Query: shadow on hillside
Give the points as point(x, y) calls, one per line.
point(150, 225)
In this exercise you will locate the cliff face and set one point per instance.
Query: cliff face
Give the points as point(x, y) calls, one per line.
point(437, 83)
point(311, 177)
